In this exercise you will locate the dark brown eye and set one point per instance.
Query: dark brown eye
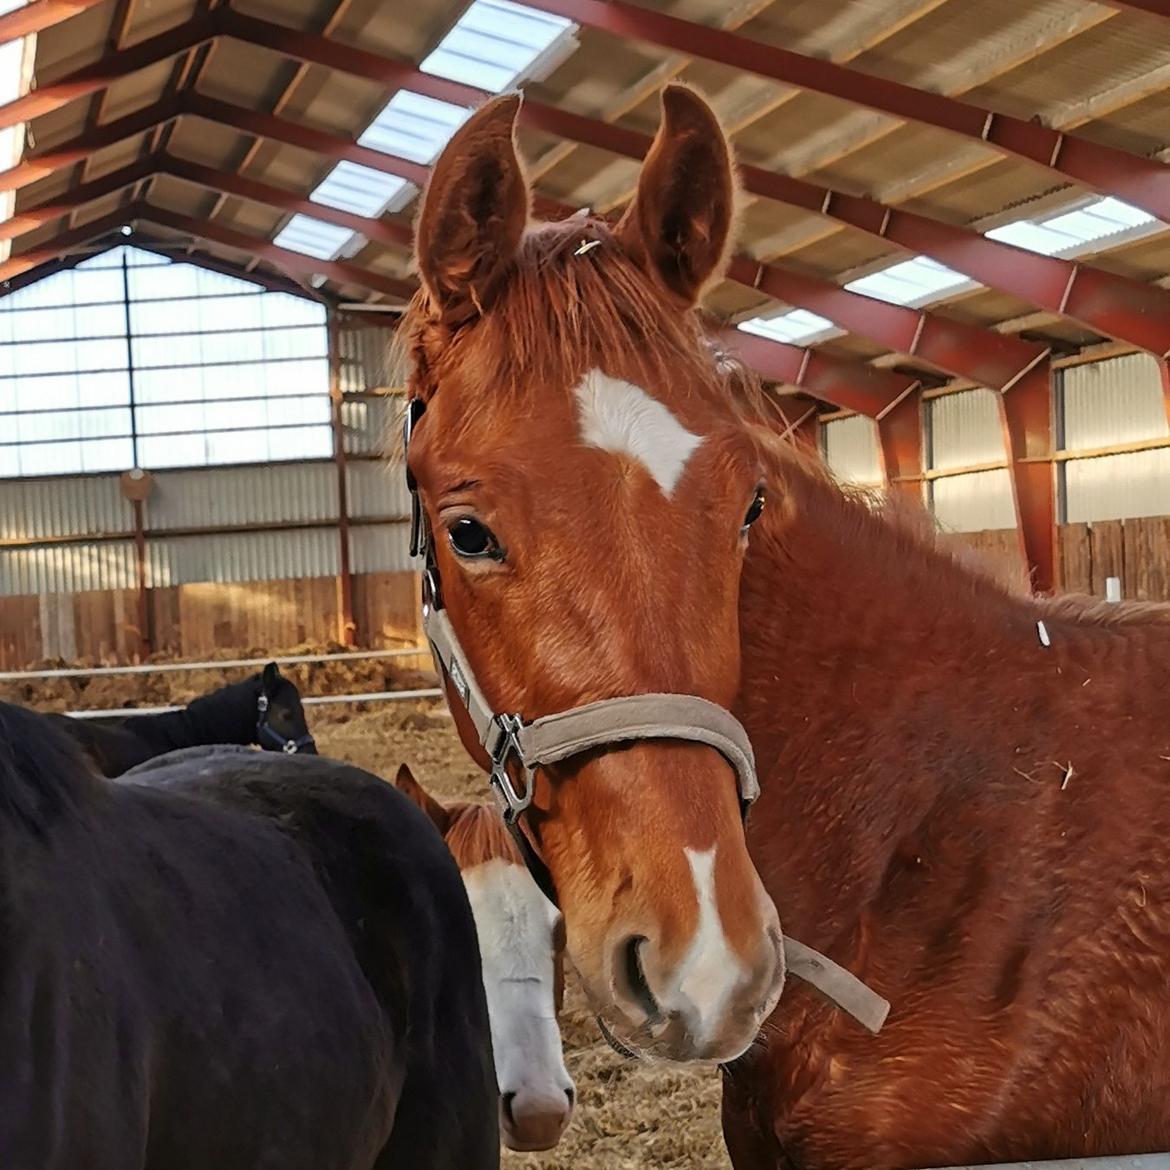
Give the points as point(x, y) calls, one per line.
point(754, 510)
point(472, 539)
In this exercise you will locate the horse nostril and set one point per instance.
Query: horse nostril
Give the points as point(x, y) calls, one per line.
point(506, 1104)
point(571, 1094)
point(637, 988)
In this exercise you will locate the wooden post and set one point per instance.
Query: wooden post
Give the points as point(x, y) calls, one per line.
point(136, 487)
point(346, 626)
point(1164, 370)
point(1026, 413)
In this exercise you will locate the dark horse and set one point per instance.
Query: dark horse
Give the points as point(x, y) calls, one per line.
point(243, 961)
point(265, 710)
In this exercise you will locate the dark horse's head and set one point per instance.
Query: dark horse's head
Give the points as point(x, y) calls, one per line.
point(280, 716)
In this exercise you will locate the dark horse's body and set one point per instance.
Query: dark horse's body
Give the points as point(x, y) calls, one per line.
point(237, 962)
point(264, 710)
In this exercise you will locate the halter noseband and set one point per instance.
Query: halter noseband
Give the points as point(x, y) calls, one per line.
point(265, 731)
point(508, 739)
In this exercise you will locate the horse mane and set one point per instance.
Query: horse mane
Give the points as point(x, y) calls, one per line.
point(571, 299)
point(44, 774)
point(476, 833)
point(228, 710)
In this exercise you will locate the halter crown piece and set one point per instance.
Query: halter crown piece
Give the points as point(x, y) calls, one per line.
point(517, 748)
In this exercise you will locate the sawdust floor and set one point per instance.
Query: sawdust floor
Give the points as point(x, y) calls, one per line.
point(628, 1116)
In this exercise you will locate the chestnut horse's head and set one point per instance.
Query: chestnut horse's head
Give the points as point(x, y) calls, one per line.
point(589, 490)
point(521, 946)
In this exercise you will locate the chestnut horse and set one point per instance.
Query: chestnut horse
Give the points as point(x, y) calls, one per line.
point(521, 946)
point(966, 793)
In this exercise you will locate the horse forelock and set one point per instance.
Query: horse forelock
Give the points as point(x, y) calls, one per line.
point(476, 834)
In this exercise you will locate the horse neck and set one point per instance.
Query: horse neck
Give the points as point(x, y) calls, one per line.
point(851, 630)
point(228, 715)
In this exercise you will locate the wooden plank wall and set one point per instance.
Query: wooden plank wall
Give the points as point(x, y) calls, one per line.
point(191, 621)
point(1137, 551)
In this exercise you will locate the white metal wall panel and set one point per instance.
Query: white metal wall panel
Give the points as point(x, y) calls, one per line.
point(370, 358)
point(62, 507)
point(974, 502)
point(380, 548)
point(376, 489)
point(1111, 402)
point(372, 426)
point(210, 497)
point(852, 451)
point(964, 429)
point(1114, 487)
point(67, 568)
point(243, 556)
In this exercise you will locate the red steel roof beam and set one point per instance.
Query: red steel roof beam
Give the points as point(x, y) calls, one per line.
point(60, 245)
point(108, 69)
point(40, 15)
point(1141, 181)
point(1113, 305)
point(900, 445)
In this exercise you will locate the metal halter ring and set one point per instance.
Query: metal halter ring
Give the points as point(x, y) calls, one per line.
point(511, 801)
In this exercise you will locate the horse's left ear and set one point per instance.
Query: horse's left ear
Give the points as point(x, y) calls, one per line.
point(270, 680)
point(679, 224)
point(475, 210)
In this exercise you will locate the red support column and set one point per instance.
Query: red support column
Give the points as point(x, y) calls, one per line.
point(1164, 368)
point(900, 440)
point(1026, 412)
point(346, 626)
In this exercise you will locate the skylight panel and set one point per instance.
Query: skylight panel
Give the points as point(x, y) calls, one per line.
point(795, 326)
point(314, 237)
point(362, 190)
point(910, 282)
point(413, 126)
point(496, 44)
point(1072, 232)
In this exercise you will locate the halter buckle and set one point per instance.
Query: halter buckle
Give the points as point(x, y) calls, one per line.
point(512, 801)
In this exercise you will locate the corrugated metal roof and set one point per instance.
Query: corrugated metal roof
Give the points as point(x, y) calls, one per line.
point(243, 495)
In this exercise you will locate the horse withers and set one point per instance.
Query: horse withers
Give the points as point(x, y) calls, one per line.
point(240, 960)
point(521, 944)
point(264, 710)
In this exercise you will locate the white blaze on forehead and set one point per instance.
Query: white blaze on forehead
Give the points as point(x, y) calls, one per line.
point(621, 417)
point(710, 971)
point(516, 926)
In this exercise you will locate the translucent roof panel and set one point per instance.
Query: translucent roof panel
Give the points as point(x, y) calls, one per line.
point(911, 282)
point(495, 44)
point(413, 126)
point(1076, 231)
point(313, 237)
point(362, 190)
point(795, 326)
point(14, 81)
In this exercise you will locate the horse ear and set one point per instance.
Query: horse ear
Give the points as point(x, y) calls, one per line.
point(410, 787)
point(679, 225)
point(475, 209)
point(270, 678)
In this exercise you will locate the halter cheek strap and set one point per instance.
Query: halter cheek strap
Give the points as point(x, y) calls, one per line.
point(265, 731)
point(513, 745)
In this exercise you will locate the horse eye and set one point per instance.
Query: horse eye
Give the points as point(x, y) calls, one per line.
point(757, 506)
point(471, 539)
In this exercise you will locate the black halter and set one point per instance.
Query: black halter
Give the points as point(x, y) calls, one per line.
point(266, 733)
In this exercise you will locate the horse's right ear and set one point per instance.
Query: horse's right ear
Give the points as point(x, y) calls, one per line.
point(475, 210)
point(410, 787)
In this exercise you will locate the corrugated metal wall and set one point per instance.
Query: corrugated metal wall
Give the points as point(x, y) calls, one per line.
point(62, 507)
point(376, 489)
point(67, 568)
point(852, 451)
point(243, 556)
point(964, 430)
point(370, 357)
point(1103, 405)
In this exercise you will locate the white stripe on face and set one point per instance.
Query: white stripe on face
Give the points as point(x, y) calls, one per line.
point(620, 417)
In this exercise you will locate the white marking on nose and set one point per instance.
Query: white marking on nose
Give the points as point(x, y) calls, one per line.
point(620, 417)
point(710, 971)
point(516, 926)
